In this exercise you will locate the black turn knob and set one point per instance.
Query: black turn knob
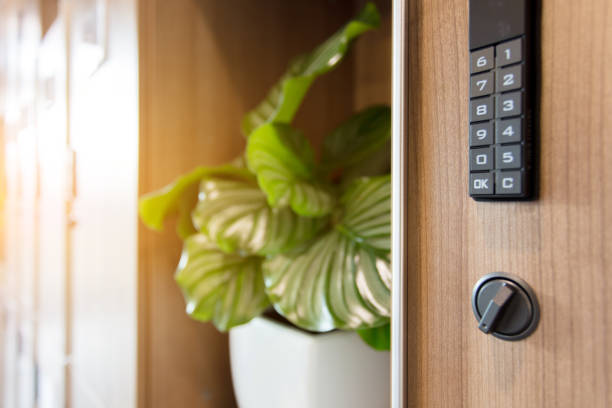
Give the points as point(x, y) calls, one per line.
point(505, 306)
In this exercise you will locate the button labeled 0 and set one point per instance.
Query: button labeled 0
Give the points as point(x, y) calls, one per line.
point(481, 159)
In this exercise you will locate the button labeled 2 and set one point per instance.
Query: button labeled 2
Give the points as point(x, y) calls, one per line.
point(509, 79)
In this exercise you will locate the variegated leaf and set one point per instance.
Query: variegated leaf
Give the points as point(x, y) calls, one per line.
point(343, 279)
point(235, 214)
point(284, 99)
point(225, 288)
point(283, 161)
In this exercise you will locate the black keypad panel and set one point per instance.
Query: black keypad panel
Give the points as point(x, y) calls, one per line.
point(501, 122)
point(498, 147)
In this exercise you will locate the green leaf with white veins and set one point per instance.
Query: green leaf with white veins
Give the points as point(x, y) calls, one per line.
point(176, 197)
point(343, 279)
point(225, 288)
point(235, 214)
point(283, 161)
point(356, 140)
point(284, 99)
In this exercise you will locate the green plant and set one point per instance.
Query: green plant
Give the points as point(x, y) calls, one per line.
point(277, 227)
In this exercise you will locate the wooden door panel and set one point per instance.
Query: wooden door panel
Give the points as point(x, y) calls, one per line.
point(560, 243)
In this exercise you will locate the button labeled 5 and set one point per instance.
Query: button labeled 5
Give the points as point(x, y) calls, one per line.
point(508, 157)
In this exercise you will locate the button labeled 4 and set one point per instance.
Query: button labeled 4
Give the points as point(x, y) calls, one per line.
point(508, 130)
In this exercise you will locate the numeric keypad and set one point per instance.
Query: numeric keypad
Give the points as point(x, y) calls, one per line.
point(497, 120)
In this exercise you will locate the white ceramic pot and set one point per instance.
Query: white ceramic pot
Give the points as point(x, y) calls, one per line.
point(278, 366)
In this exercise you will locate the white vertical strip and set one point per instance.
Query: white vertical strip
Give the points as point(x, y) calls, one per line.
point(398, 211)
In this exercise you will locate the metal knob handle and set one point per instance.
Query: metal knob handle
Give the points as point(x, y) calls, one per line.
point(505, 306)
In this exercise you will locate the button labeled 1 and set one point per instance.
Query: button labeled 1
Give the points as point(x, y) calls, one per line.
point(509, 52)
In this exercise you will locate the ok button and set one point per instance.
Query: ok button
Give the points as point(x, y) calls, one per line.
point(481, 183)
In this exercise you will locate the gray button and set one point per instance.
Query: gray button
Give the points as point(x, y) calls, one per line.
point(481, 109)
point(481, 85)
point(481, 60)
point(509, 52)
point(508, 130)
point(481, 134)
point(508, 182)
point(481, 159)
point(481, 183)
point(508, 157)
point(509, 104)
point(509, 79)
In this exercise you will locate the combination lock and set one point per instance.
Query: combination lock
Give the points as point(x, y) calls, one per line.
point(501, 106)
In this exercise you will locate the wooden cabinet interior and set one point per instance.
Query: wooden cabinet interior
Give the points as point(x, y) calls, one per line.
point(202, 65)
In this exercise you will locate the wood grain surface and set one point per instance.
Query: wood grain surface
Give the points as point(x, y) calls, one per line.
point(560, 244)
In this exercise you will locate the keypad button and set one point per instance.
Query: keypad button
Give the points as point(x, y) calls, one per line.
point(481, 183)
point(481, 109)
point(481, 159)
point(481, 85)
point(481, 60)
point(508, 157)
point(509, 104)
point(481, 134)
point(508, 182)
point(509, 79)
point(508, 130)
point(509, 52)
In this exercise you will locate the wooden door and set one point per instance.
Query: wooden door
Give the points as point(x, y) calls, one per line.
point(561, 244)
